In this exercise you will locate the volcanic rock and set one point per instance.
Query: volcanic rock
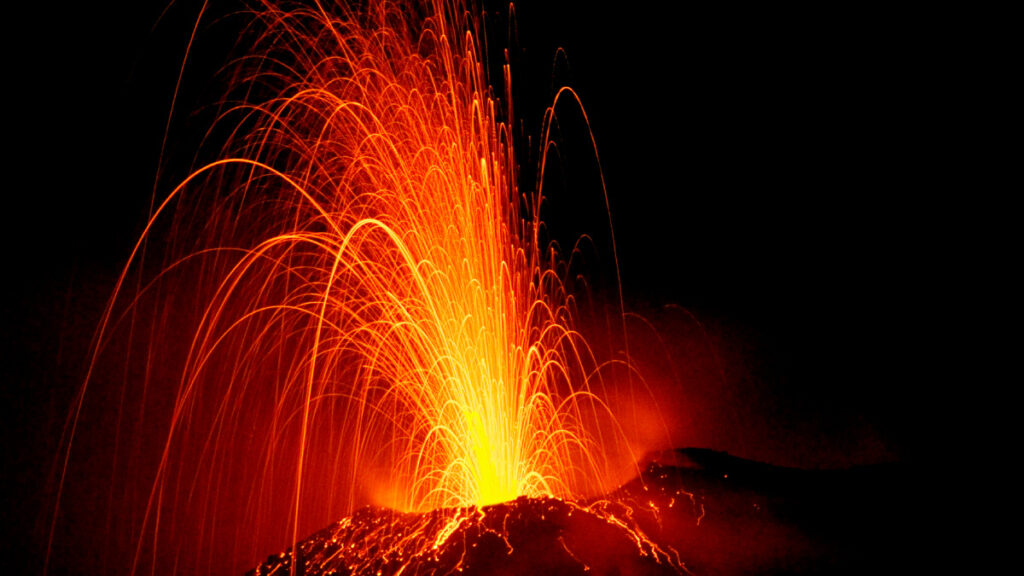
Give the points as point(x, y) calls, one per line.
point(689, 511)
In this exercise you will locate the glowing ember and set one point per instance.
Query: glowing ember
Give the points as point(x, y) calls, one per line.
point(526, 536)
point(371, 311)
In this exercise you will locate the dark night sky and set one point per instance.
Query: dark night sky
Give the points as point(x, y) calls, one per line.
point(768, 172)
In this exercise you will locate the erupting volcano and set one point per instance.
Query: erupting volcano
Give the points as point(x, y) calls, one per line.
point(347, 319)
point(374, 312)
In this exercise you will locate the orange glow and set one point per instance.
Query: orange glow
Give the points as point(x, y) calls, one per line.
point(372, 314)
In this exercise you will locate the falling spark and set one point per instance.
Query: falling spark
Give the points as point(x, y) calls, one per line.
point(373, 313)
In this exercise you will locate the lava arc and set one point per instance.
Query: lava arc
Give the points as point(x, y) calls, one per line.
point(371, 311)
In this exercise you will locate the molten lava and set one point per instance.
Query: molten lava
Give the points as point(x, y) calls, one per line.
point(372, 314)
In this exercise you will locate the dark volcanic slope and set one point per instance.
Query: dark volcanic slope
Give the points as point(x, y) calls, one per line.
point(690, 510)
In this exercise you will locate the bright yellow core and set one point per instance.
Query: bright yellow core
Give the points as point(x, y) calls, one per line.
point(492, 490)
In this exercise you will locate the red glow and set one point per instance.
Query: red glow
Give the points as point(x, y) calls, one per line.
point(355, 306)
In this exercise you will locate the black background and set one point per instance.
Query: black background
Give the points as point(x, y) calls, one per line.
point(774, 173)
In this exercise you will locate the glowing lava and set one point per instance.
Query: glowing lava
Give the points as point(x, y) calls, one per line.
point(370, 310)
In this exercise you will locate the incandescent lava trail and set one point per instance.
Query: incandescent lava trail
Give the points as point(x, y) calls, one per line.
point(356, 304)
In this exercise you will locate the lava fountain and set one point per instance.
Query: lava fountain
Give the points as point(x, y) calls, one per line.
point(352, 303)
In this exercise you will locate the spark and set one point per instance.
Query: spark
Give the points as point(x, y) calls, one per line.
point(372, 307)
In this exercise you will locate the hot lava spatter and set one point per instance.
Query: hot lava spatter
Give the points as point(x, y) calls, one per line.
point(689, 511)
point(625, 532)
point(372, 312)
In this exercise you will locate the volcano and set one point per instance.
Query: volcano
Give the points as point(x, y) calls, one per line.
point(688, 511)
point(358, 277)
